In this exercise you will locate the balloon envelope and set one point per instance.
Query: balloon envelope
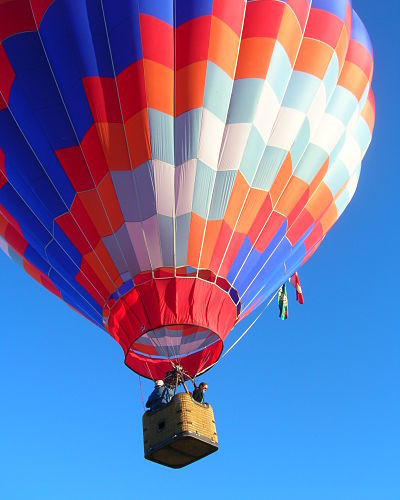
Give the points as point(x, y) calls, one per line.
point(166, 165)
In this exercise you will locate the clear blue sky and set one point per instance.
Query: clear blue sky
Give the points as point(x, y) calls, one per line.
point(306, 409)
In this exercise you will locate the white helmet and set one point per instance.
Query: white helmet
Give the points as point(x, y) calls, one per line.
point(159, 383)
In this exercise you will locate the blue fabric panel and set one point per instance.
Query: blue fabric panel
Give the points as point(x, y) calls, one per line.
point(75, 38)
point(217, 91)
point(35, 82)
point(252, 155)
point(245, 96)
point(241, 255)
point(273, 266)
point(32, 230)
point(135, 193)
point(342, 104)
point(36, 260)
point(166, 232)
point(161, 136)
point(161, 9)
point(301, 91)
point(185, 10)
point(300, 143)
point(311, 163)
point(65, 243)
point(28, 177)
point(336, 7)
point(279, 71)
point(331, 76)
point(221, 193)
point(122, 17)
point(73, 298)
point(202, 189)
point(360, 34)
point(187, 134)
point(256, 260)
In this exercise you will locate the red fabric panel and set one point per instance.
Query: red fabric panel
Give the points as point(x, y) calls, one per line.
point(257, 13)
point(324, 26)
point(230, 12)
point(301, 9)
point(192, 41)
point(157, 40)
point(74, 165)
point(15, 17)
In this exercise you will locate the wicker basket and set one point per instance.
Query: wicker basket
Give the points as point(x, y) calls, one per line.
point(179, 433)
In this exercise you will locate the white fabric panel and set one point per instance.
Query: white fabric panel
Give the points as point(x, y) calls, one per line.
point(153, 241)
point(211, 132)
point(317, 109)
point(328, 133)
point(184, 184)
point(150, 227)
point(267, 111)
point(350, 154)
point(164, 187)
point(233, 145)
point(287, 126)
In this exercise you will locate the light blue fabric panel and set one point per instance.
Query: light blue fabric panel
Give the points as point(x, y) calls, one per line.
point(245, 96)
point(187, 134)
point(161, 136)
point(252, 155)
point(202, 189)
point(218, 89)
point(222, 191)
point(311, 163)
point(268, 169)
point(301, 91)
point(279, 71)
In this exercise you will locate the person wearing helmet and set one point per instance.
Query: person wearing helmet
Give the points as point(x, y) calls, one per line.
point(160, 396)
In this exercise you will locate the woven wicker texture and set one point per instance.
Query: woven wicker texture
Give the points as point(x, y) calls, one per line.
point(179, 433)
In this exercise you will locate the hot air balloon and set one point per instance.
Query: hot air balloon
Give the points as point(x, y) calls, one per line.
point(166, 165)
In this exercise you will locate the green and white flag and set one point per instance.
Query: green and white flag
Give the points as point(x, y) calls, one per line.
point(283, 303)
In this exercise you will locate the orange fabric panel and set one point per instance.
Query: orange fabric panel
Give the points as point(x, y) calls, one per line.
point(368, 113)
point(113, 143)
point(110, 202)
point(159, 81)
point(190, 82)
point(254, 57)
point(138, 136)
point(223, 46)
point(212, 231)
point(282, 179)
point(329, 218)
point(291, 195)
point(318, 178)
point(290, 34)
point(320, 201)
point(342, 46)
point(93, 206)
point(96, 263)
point(250, 211)
point(314, 57)
point(353, 78)
point(239, 191)
point(196, 232)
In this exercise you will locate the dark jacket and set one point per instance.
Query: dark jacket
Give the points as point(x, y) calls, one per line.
point(159, 398)
point(198, 395)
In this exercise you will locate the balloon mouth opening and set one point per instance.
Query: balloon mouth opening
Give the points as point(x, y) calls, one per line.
point(157, 351)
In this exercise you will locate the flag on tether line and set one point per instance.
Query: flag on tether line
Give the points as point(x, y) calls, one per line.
point(283, 303)
point(294, 280)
